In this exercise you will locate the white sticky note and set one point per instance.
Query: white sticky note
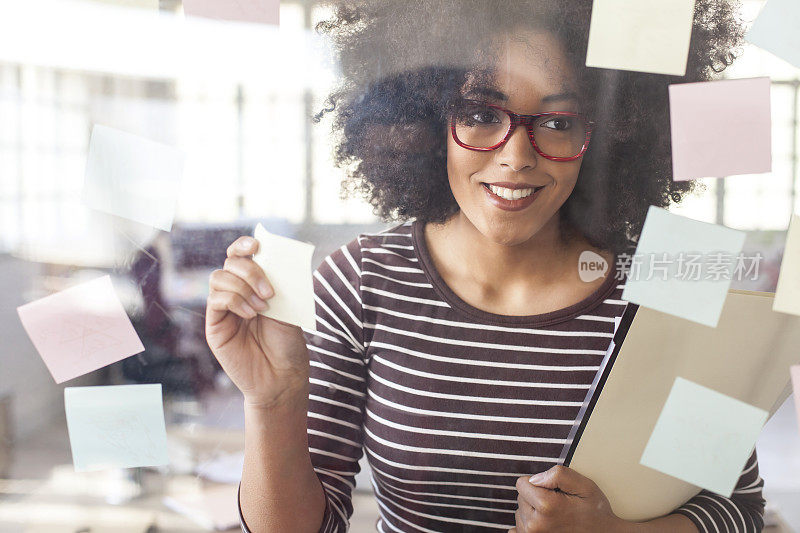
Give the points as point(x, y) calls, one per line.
point(775, 30)
point(132, 177)
point(675, 285)
point(703, 437)
point(787, 292)
point(641, 35)
point(80, 329)
point(117, 426)
point(287, 264)
point(722, 143)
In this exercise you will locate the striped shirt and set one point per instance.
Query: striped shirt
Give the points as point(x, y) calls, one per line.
point(451, 403)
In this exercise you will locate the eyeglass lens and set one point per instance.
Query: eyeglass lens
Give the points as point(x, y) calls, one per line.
point(481, 126)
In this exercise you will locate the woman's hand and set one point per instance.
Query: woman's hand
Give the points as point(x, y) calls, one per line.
point(265, 358)
point(577, 505)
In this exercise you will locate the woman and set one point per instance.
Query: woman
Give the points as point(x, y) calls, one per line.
point(455, 348)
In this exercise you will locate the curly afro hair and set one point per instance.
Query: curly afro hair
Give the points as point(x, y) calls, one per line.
point(404, 65)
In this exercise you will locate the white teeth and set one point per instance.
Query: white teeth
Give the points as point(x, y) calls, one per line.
point(510, 194)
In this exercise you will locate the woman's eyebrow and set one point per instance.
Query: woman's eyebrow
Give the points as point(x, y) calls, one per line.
point(488, 92)
point(560, 96)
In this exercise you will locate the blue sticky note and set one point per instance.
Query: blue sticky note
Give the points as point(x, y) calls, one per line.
point(684, 267)
point(118, 426)
point(775, 30)
point(703, 437)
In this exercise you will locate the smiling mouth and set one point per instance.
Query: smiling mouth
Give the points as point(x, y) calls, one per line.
point(535, 189)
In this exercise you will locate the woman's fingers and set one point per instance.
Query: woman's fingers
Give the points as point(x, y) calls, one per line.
point(222, 301)
point(226, 281)
point(242, 247)
point(247, 270)
point(240, 287)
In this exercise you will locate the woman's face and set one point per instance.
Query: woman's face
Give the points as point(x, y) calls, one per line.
point(533, 76)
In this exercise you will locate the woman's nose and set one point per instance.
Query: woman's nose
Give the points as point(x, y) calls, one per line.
point(518, 152)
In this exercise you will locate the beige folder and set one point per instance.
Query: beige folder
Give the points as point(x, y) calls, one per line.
point(747, 356)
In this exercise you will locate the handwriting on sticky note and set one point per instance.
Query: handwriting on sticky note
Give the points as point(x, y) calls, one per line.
point(677, 289)
point(787, 293)
point(80, 329)
point(640, 35)
point(722, 143)
point(287, 264)
point(118, 426)
point(132, 177)
point(703, 437)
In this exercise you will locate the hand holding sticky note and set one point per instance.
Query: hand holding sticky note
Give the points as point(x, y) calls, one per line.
point(287, 264)
point(117, 426)
point(703, 437)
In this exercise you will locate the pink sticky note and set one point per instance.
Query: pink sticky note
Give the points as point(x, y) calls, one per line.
point(262, 11)
point(794, 370)
point(720, 128)
point(80, 329)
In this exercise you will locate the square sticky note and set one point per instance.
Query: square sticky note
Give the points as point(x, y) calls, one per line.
point(132, 177)
point(287, 264)
point(720, 128)
point(775, 30)
point(664, 272)
point(118, 426)
point(263, 11)
point(80, 329)
point(641, 35)
point(703, 437)
point(787, 292)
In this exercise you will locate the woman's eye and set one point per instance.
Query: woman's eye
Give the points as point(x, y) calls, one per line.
point(484, 117)
point(477, 116)
point(558, 123)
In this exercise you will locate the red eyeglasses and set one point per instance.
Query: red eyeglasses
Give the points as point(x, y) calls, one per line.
point(556, 135)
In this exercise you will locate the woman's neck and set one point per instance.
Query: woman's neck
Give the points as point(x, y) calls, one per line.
point(468, 254)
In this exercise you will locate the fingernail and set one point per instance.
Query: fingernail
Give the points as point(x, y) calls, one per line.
point(244, 244)
point(536, 478)
point(257, 302)
point(249, 310)
point(264, 289)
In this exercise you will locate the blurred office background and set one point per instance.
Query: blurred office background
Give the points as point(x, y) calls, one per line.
point(238, 99)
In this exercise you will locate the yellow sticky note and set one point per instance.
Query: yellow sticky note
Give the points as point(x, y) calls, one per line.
point(641, 35)
point(287, 264)
point(787, 293)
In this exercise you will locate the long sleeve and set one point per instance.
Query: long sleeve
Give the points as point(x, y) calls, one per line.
point(337, 384)
point(742, 512)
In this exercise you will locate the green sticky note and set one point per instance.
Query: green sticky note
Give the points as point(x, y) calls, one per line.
point(118, 426)
point(684, 267)
point(703, 437)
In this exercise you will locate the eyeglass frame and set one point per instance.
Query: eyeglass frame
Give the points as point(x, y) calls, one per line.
point(527, 121)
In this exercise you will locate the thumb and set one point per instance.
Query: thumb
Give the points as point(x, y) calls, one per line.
point(558, 477)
